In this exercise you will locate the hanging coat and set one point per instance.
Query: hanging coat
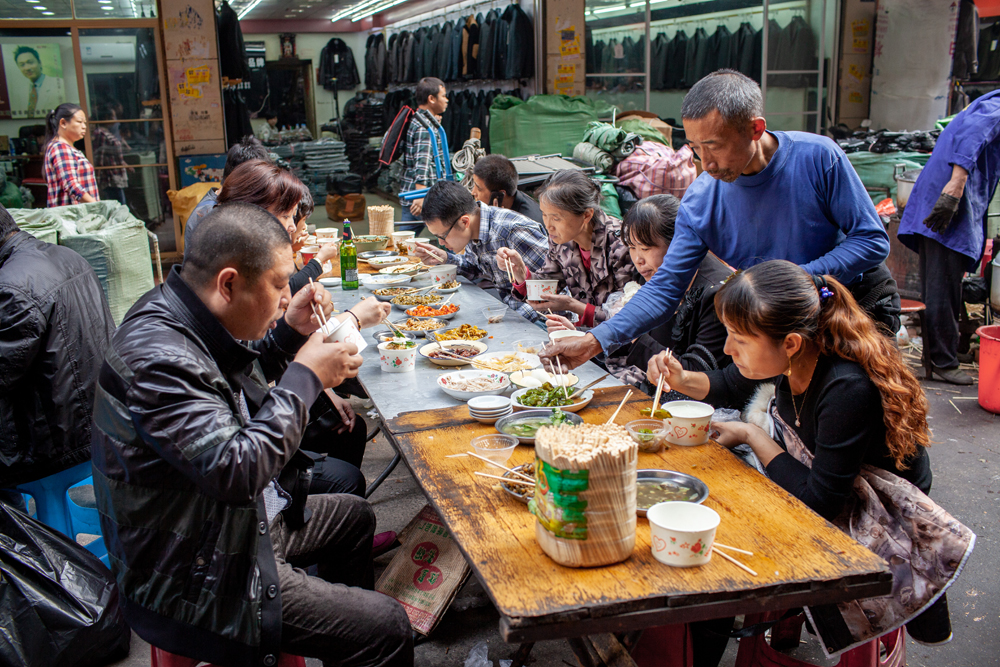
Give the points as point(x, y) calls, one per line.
point(487, 38)
point(337, 60)
point(520, 60)
point(676, 60)
point(470, 47)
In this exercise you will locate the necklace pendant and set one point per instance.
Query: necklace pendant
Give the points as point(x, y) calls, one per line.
point(798, 423)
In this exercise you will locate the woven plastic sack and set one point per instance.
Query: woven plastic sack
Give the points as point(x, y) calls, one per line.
point(111, 239)
point(875, 170)
point(544, 125)
point(643, 129)
point(38, 223)
point(655, 169)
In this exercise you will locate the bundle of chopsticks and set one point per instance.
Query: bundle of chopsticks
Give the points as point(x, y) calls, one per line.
point(510, 270)
point(659, 389)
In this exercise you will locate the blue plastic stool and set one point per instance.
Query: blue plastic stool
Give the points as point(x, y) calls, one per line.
point(54, 508)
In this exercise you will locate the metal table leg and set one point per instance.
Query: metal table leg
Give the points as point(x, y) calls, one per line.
point(388, 469)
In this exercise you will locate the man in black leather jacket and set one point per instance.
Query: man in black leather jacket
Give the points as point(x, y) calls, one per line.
point(54, 328)
point(204, 508)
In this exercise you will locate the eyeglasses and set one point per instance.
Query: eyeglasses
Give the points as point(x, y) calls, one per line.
point(444, 239)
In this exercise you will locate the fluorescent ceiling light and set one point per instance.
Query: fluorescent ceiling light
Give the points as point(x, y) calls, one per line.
point(376, 10)
point(605, 10)
point(247, 10)
point(40, 8)
point(49, 13)
point(353, 10)
point(108, 9)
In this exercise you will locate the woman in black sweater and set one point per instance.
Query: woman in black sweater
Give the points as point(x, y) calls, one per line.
point(846, 407)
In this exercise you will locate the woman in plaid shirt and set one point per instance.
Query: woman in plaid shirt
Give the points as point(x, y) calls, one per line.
point(68, 173)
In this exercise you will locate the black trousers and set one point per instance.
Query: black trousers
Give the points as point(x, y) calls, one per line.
point(335, 616)
point(340, 470)
point(941, 273)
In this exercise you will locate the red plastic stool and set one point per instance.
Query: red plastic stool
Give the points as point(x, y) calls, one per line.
point(161, 658)
point(756, 652)
point(664, 646)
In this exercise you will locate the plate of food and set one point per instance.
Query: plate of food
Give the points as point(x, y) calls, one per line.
point(374, 282)
point(443, 353)
point(464, 385)
point(406, 301)
point(549, 396)
point(401, 270)
point(385, 260)
point(445, 312)
point(520, 492)
point(419, 327)
point(524, 425)
point(508, 362)
point(464, 332)
point(539, 376)
point(365, 256)
point(390, 293)
point(660, 486)
point(449, 287)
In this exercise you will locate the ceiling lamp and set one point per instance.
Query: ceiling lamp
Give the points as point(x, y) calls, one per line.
point(246, 10)
point(605, 10)
point(375, 10)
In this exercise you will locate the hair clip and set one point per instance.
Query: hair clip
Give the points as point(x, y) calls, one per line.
point(825, 293)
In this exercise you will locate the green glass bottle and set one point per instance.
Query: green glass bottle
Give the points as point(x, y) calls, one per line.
point(348, 260)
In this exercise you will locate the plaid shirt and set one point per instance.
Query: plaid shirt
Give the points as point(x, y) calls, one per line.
point(68, 174)
point(108, 153)
point(418, 158)
point(500, 228)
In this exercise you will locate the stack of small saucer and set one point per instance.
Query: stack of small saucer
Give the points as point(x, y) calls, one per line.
point(488, 409)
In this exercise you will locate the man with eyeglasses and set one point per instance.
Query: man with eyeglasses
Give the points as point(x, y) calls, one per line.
point(473, 232)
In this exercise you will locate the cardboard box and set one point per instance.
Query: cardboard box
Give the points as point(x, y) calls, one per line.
point(564, 27)
point(426, 572)
point(651, 119)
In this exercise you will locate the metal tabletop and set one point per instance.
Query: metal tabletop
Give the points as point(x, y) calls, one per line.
point(396, 393)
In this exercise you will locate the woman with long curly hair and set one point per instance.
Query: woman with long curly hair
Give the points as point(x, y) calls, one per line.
point(846, 431)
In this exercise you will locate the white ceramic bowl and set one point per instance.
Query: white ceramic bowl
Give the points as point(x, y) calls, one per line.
point(327, 232)
point(689, 422)
point(446, 383)
point(376, 281)
point(488, 404)
point(443, 273)
point(382, 262)
point(539, 289)
point(565, 333)
point(682, 534)
point(521, 379)
point(399, 238)
point(397, 361)
point(427, 349)
point(582, 400)
point(399, 270)
point(446, 316)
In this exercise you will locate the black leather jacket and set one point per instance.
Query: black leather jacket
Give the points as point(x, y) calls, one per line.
point(54, 328)
point(178, 475)
point(337, 60)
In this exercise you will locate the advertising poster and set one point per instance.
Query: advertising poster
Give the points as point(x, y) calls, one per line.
point(33, 73)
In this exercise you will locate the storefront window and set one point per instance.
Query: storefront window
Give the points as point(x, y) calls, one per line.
point(127, 142)
point(616, 53)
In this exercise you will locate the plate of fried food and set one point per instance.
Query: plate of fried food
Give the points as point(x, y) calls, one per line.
point(445, 312)
point(464, 332)
point(419, 327)
point(448, 352)
point(507, 362)
point(449, 287)
point(390, 293)
point(405, 301)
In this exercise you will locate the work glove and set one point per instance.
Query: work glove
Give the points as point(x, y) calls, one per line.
point(942, 214)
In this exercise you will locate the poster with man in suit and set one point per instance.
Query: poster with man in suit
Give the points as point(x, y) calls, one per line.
point(34, 75)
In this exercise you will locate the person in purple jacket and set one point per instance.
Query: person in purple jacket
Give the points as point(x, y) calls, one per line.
point(945, 221)
point(764, 195)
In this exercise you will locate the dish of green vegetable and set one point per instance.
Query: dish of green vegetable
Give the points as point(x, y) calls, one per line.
point(524, 425)
point(546, 396)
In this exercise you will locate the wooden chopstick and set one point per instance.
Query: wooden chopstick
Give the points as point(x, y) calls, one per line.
point(656, 398)
point(494, 463)
point(580, 391)
point(504, 479)
point(320, 317)
point(620, 406)
point(733, 560)
point(723, 546)
point(563, 376)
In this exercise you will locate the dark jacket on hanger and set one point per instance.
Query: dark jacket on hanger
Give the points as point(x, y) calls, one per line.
point(520, 60)
point(758, 46)
point(989, 53)
point(232, 54)
point(430, 46)
point(796, 50)
point(741, 49)
point(337, 60)
point(419, 36)
point(408, 59)
point(500, 40)
point(392, 57)
point(673, 70)
point(588, 45)
point(697, 58)
point(658, 62)
point(375, 62)
point(486, 45)
point(718, 50)
point(470, 47)
point(443, 47)
point(454, 69)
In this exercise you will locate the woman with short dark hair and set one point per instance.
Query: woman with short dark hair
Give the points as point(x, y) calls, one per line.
point(68, 174)
point(586, 254)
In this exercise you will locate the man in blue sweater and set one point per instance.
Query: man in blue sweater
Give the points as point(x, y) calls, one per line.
point(764, 195)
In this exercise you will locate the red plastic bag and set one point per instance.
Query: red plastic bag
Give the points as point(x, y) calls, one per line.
point(885, 208)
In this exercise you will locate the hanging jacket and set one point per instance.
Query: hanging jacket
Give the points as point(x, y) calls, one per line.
point(232, 53)
point(796, 50)
point(741, 49)
point(392, 51)
point(375, 62)
point(487, 37)
point(336, 60)
point(500, 48)
point(419, 37)
point(470, 47)
point(718, 50)
point(520, 60)
point(57, 326)
point(407, 57)
point(442, 47)
point(658, 62)
point(694, 64)
point(456, 55)
point(773, 31)
point(676, 62)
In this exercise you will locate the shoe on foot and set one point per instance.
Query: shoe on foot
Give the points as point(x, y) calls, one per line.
point(384, 542)
point(954, 376)
point(966, 358)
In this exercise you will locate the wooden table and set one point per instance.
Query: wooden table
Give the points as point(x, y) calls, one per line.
point(800, 558)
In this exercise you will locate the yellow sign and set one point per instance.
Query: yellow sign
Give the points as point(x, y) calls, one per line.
point(855, 98)
point(856, 72)
point(188, 91)
point(569, 41)
point(196, 75)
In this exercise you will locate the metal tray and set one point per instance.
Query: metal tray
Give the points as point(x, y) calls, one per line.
point(377, 253)
point(520, 492)
point(677, 478)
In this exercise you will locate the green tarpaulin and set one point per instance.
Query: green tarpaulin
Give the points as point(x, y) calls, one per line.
point(544, 125)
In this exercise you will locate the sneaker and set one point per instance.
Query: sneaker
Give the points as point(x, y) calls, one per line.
point(954, 376)
point(383, 543)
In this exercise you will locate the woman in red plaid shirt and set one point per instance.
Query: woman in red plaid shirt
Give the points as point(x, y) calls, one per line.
point(68, 173)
